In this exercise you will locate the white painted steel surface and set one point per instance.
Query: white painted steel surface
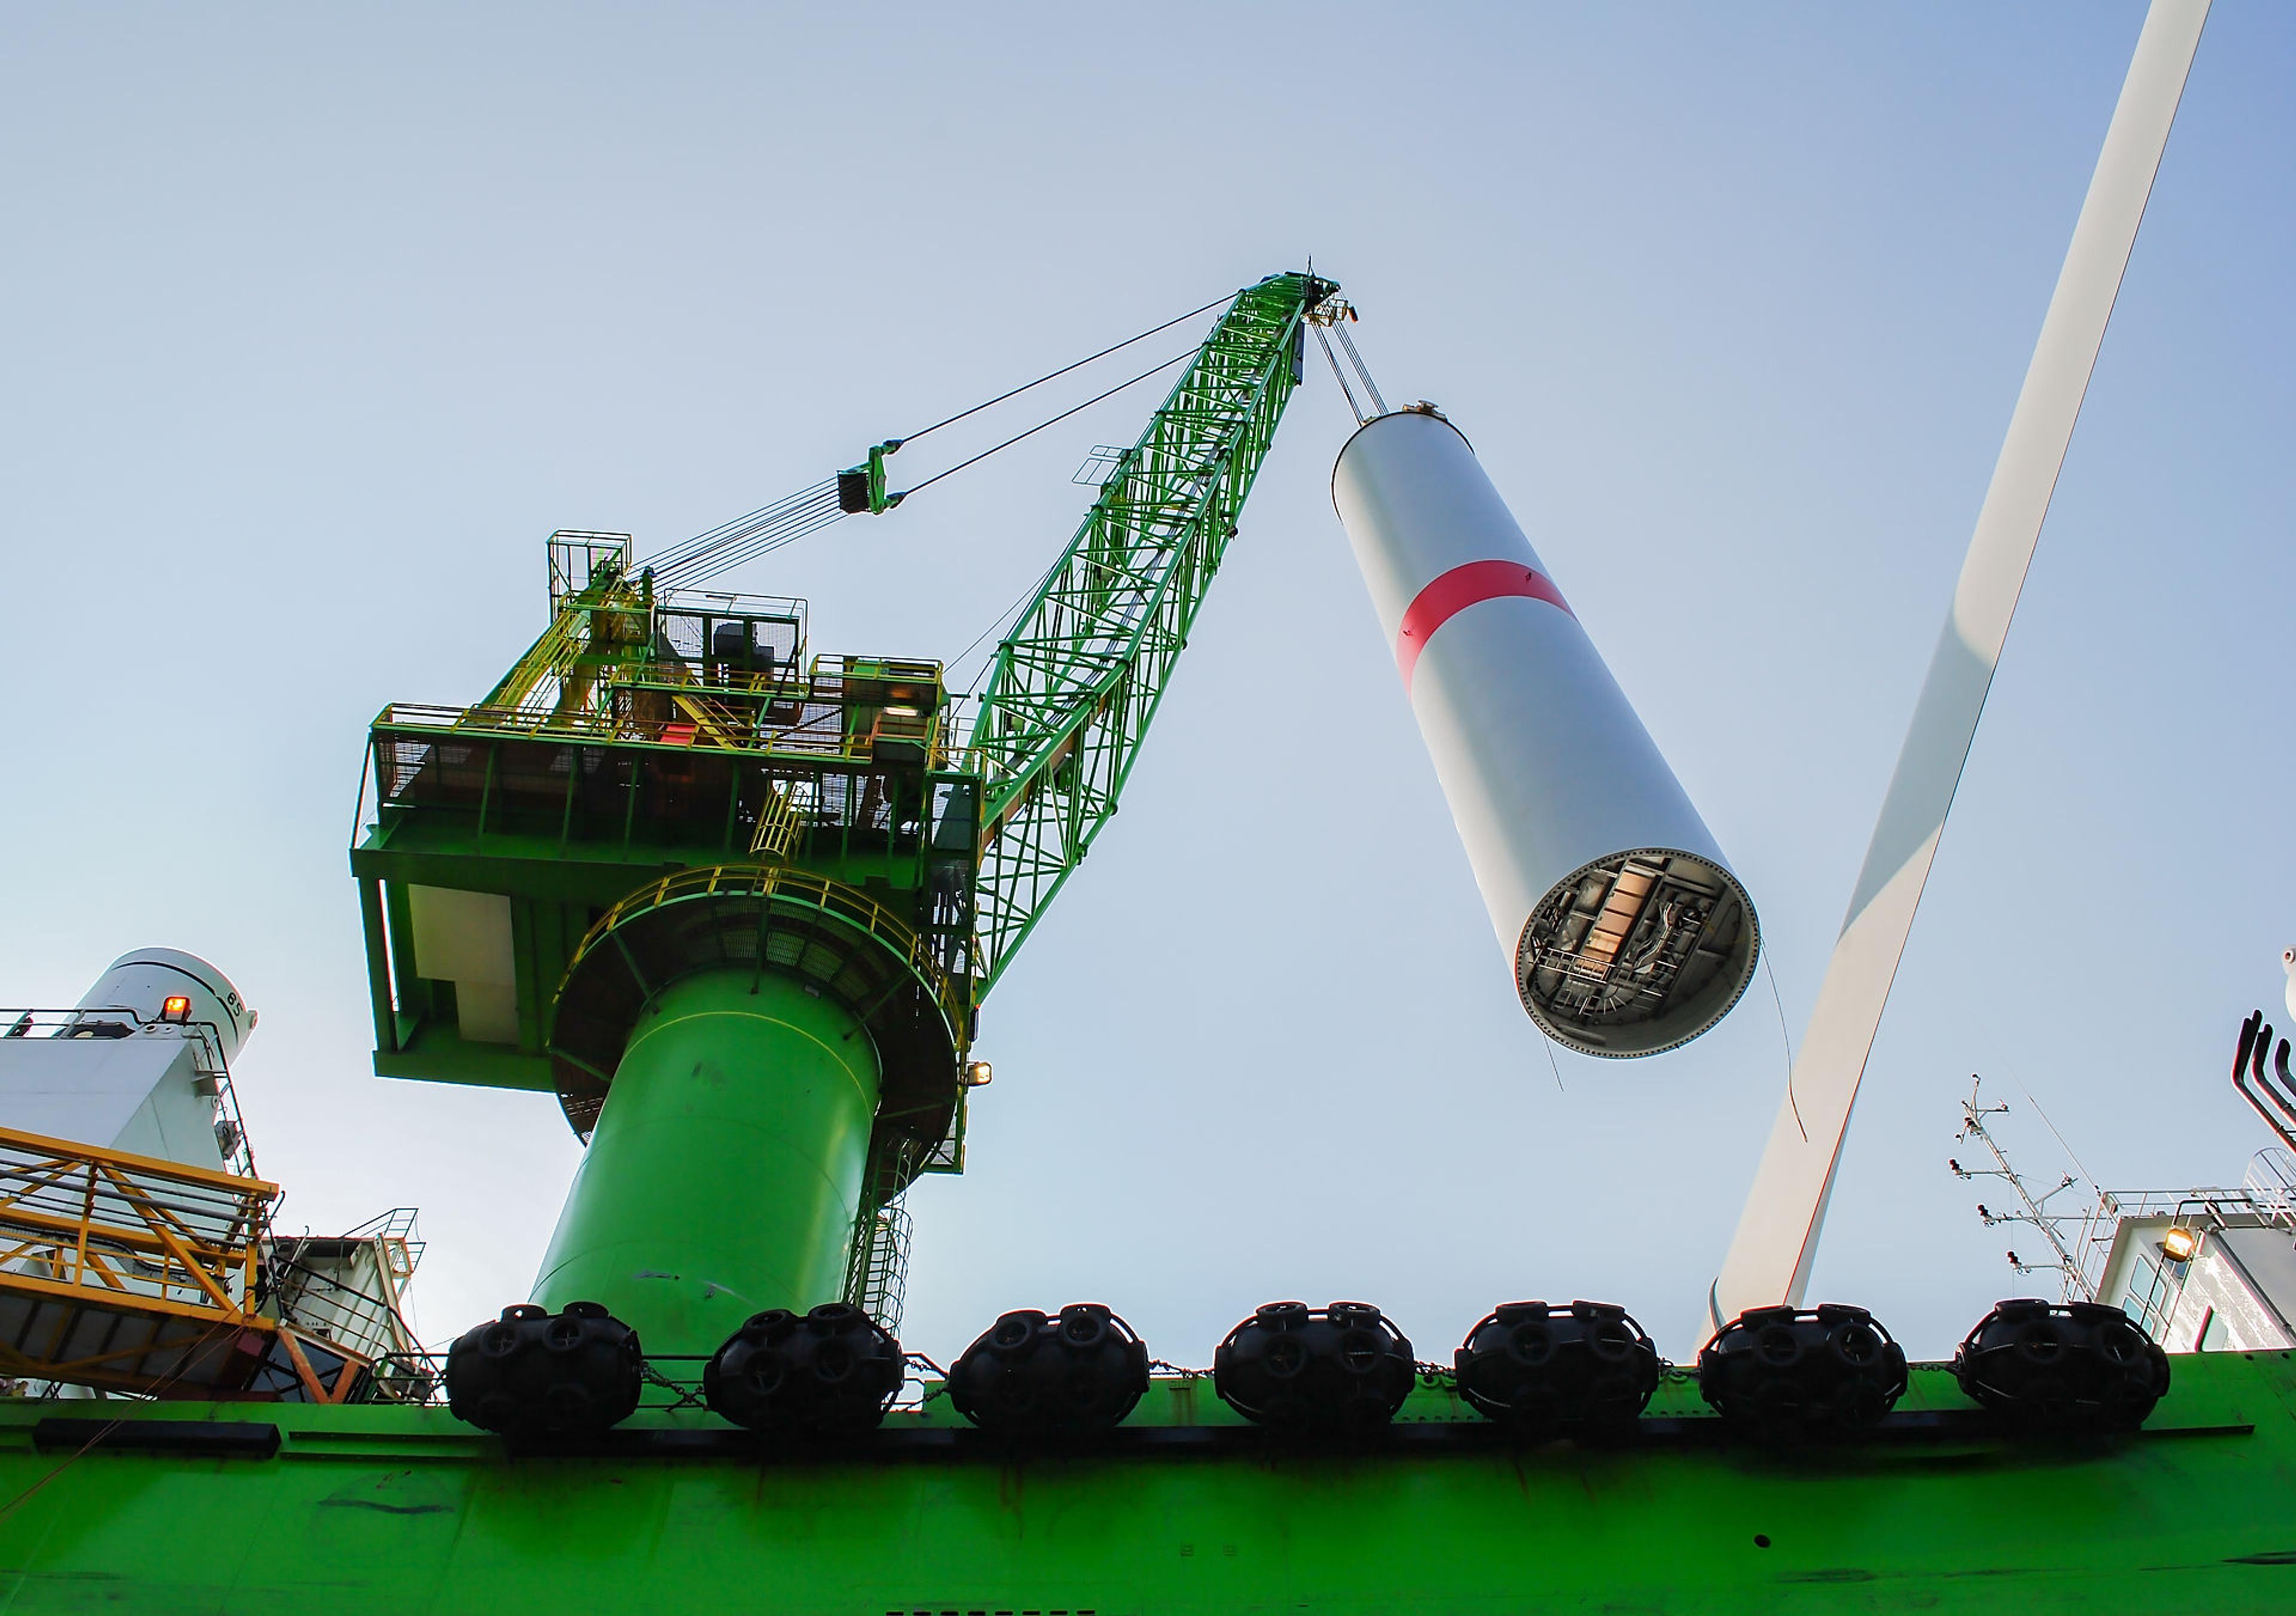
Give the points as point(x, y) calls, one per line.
point(1777, 1239)
point(146, 1089)
point(140, 1094)
point(1551, 777)
point(145, 978)
point(464, 937)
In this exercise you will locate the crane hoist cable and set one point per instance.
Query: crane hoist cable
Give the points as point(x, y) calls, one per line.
point(861, 488)
point(893, 499)
point(1218, 302)
point(730, 543)
point(1329, 319)
point(996, 624)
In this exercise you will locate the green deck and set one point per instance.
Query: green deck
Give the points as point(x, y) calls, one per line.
point(406, 1511)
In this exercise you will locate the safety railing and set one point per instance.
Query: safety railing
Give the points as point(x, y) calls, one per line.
point(758, 881)
point(129, 1227)
point(580, 559)
point(349, 1289)
point(538, 673)
point(2263, 1200)
point(821, 731)
point(2271, 1180)
point(210, 1072)
point(144, 1276)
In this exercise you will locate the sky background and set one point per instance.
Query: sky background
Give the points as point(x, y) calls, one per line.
point(319, 320)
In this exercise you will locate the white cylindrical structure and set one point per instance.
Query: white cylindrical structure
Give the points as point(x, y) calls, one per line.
point(1624, 930)
point(145, 979)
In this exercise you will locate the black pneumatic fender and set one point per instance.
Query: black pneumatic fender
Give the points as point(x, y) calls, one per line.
point(1790, 1374)
point(832, 1372)
point(1338, 1370)
point(532, 1372)
point(1032, 1374)
point(2062, 1367)
point(1541, 1369)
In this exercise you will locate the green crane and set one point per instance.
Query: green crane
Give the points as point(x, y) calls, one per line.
point(759, 895)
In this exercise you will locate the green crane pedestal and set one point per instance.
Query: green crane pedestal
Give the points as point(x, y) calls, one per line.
point(726, 1168)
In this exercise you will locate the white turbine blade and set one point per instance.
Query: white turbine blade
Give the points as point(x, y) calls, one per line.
point(1770, 1255)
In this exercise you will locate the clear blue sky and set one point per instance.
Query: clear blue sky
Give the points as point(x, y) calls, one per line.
point(320, 319)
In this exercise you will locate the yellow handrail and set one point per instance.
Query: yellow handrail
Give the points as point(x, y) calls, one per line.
point(764, 881)
point(823, 738)
point(154, 1167)
point(135, 1229)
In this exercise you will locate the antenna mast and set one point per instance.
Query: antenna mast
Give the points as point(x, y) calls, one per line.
point(2037, 1210)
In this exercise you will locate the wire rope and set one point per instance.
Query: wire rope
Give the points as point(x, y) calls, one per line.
point(742, 526)
point(105, 1430)
point(1002, 617)
point(1339, 376)
point(746, 542)
point(733, 544)
point(1065, 370)
point(1787, 1039)
point(729, 543)
point(1041, 425)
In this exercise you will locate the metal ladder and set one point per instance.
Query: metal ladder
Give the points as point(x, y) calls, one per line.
point(877, 1275)
point(778, 823)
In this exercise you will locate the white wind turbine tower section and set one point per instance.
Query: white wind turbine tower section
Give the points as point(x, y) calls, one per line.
point(1770, 1255)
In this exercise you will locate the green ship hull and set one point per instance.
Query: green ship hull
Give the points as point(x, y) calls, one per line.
point(160, 1508)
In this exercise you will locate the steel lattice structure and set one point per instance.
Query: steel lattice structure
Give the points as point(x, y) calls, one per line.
point(1073, 688)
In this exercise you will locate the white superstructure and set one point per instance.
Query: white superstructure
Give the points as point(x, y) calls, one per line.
point(141, 1064)
point(2207, 1271)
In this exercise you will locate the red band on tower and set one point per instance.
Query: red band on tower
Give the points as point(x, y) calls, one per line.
point(1460, 588)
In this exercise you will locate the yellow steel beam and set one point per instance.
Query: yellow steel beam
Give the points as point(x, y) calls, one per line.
point(303, 1367)
point(63, 1290)
point(138, 1196)
point(221, 1297)
point(58, 1172)
point(152, 1166)
point(79, 1231)
point(713, 719)
point(94, 1371)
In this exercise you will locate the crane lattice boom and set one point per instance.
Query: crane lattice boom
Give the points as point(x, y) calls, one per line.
point(1073, 688)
